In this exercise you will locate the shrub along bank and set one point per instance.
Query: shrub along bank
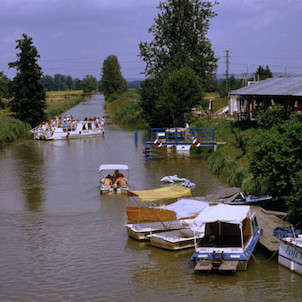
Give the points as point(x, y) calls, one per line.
point(261, 160)
point(57, 102)
point(125, 109)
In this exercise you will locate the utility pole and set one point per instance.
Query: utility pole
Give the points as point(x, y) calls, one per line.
point(227, 64)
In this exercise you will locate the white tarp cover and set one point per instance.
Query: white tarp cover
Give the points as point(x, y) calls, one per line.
point(186, 207)
point(222, 212)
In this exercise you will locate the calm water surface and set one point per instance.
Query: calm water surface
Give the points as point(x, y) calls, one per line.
point(60, 240)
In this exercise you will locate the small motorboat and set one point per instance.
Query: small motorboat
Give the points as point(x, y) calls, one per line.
point(230, 237)
point(111, 169)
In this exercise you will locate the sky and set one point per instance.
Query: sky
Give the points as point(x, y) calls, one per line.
point(74, 37)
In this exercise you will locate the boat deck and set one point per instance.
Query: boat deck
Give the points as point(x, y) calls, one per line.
point(268, 222)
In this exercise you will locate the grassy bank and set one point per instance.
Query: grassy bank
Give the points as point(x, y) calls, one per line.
point(57, 102)
point(125, 109)
point(231, 160)
point(11, 129)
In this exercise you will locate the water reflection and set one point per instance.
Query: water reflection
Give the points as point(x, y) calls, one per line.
point(31, 174)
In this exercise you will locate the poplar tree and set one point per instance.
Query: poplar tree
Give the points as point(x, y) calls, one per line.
point(28, 102)
point(112, 80)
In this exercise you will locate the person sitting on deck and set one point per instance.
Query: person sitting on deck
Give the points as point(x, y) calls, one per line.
point(115, 175)
point(121, 181)
point(107, 181)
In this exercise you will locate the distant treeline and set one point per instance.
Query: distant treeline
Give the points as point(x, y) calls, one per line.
point(60, 82)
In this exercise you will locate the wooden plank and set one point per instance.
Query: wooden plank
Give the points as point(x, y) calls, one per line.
point(229, 266)
point(203, 265)
point(268, 223)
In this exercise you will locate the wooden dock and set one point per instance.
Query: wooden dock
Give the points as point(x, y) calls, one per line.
point(269, 222)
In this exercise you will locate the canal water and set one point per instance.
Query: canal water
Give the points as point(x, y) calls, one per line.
point(60, 240)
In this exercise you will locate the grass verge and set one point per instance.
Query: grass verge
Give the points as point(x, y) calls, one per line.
point(57, 102)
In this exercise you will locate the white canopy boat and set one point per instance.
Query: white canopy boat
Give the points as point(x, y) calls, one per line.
point(183, 210)
point(73, 129)
point(290, 253)
point(231, 234)
point(110, 169)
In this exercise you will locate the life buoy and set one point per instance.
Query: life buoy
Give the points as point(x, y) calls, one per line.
point(196, 142)
point(158, 143)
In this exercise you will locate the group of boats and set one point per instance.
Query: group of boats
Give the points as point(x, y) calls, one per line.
point(222, 228)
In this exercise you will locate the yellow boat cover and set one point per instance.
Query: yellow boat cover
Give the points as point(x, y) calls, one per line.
point(171, 192)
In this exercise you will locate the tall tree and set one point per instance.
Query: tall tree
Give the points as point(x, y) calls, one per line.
point(112, 80)
point(179, 40)
point(28, 102)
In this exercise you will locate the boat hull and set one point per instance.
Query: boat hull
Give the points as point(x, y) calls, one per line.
point(141, 231)
point(290, 254)
point(225, 259)
point(174, 240)
point(113, 191)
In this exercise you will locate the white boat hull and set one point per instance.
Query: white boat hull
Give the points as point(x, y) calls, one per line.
point(112, 191)
point(75, 130)
point(175, 240)
point(140, 231)
point(290, 254)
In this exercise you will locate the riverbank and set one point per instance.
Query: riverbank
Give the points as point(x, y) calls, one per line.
point(57, 102)
point(125, 109)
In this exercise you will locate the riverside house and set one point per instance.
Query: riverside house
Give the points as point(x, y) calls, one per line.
point(245, 102)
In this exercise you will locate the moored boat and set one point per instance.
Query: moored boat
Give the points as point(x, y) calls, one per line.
point(231, 234)
point(156, 213)
point(290, 253)
point(183, 211)
point(141, 231)
point(176, 239)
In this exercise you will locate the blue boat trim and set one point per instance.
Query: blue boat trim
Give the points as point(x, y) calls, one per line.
point(289, 259)
point(245, 256)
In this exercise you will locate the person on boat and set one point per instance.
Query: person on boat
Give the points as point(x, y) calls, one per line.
point(121, 181)
point(115, 175)
point(107, 181)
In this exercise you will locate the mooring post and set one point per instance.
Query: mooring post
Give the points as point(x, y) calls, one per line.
point(135, 135)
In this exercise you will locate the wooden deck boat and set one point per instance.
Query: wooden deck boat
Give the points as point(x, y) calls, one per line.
point(156, 213)
point(290, 253)
point(183, 210)
point(231, 234)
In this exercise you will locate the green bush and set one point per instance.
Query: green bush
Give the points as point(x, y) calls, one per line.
point(12, 129)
